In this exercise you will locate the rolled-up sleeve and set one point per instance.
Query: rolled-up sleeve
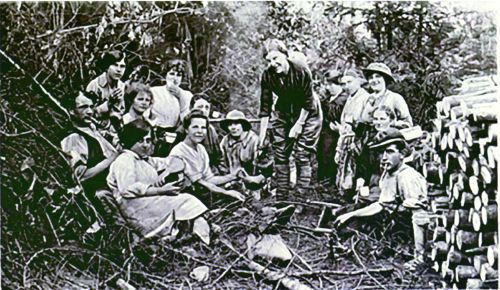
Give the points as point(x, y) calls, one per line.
point(401, 110)
point(266, 96)
point(76, 149)
point(413, 189)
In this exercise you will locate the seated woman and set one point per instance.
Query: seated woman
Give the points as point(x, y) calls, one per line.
point(199, 175)
point(212, 141)
point(170, 105)
point(109, 90)
point(146, 200)
point(138, 100)
point(89, 152)
point(240, 150)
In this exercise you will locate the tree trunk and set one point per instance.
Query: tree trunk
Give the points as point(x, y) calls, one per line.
point(466, 240)
point(455, 258)
point(465, 272)
point(478, 261)
point(489, 215)
point(487, 272)
point(439, 251)
point(439, 234)
point(467, 199)
point(461, 219)
point(487, 239)
point(493, 255)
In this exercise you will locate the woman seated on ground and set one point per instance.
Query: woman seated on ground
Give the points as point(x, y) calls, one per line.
point(240, 151)
point(212, 140)
point(138, 101)
point(146, 200)
point(110, 90)
point(199, 175)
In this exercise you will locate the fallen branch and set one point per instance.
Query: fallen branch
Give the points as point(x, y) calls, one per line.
point(365, 270)
point(39, 85)
point(344, 273)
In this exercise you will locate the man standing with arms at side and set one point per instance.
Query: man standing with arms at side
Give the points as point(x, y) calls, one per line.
point(296, 120)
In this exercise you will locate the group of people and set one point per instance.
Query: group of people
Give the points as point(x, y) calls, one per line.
point(152, 155)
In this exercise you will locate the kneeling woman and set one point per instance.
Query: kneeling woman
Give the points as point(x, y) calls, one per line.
point(148, 203)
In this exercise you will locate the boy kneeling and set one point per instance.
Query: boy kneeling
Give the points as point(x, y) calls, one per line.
point(400, 185)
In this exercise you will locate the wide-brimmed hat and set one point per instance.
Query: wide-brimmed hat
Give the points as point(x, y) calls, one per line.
point(380, 68)
point(387, 137)
point(236, 116)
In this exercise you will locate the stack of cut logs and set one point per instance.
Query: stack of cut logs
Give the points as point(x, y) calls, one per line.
point(462, 176)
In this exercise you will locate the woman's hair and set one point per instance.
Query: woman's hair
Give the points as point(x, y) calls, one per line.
point(109, 58)
point(177, 65)
point(390, 112)
point(192, 115)
point(131, 92)
point(133, 132)
point(196, 99)
point(274, 44)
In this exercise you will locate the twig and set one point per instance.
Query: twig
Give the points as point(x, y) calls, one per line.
point(343, 273)
point(16, 134)
point(364, 267)
point(40, 86)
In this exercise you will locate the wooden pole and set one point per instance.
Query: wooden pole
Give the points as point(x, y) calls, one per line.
point(466, 240)
point(465, 272)
point(487, 272)
point(478, 261)
point(492, 255)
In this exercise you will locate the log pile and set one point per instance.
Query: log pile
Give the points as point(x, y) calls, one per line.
point(462, 177)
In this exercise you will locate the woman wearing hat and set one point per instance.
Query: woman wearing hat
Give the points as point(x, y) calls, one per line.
point(146, 199)
point(240, 147)
point(379, 76)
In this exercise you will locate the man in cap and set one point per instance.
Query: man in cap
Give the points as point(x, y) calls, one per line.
point(297, 112)
point(332, 103)
point(379, 76)
point(402, 187)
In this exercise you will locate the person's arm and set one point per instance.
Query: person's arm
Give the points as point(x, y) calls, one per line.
point(266, 101)
point(219, 190)
point(184, 102)
point(304, 81)
point(370, 210)
point(299, 125)
point(98, 168)
point(403, 118)
point(222, 179)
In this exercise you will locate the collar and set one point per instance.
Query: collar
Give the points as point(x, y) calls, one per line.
point(135, 155)
point(244, 138)
point(102, 80)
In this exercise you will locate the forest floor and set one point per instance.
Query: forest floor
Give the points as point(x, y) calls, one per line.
point(319, 260)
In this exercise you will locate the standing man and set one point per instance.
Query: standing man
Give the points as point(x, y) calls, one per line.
point(297, 117)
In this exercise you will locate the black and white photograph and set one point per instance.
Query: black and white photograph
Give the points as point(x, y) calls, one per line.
point(249, 145)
